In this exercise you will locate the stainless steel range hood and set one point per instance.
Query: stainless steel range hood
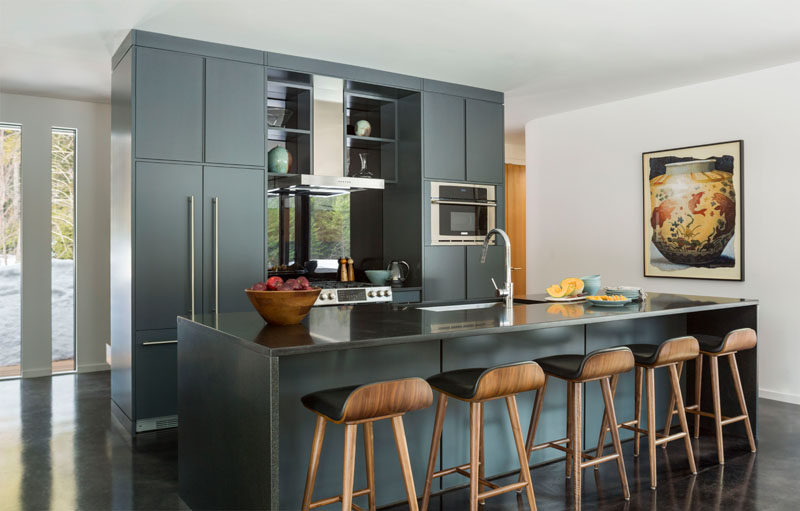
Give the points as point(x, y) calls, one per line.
point(328, 149)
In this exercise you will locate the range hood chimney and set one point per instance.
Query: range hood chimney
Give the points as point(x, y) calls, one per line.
point(327, 177)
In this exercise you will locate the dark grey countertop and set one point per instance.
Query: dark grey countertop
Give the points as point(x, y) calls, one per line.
point(346, 327)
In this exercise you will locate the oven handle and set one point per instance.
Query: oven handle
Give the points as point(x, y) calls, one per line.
point(464, 203)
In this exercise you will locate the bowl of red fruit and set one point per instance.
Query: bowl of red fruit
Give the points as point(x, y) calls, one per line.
point(283, 303)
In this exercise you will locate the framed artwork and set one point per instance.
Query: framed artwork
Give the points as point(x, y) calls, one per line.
point(693, 212)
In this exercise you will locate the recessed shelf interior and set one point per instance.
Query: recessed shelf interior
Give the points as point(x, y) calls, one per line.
point(292, 91)
point(380, 112)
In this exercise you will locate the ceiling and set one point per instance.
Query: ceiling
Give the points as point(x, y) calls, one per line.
point(548, 57)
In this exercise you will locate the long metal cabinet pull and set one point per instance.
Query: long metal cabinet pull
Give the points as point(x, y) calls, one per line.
point(154, 343)
point(216, 255)
point(191, 251)
point(464, 203)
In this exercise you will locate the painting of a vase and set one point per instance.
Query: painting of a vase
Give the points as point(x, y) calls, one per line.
point(693, 213)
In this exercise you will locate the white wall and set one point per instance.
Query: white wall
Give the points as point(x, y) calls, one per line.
point(584, 194)
point(515, 147)
point(38, 115)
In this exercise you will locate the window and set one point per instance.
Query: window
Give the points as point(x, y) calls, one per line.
point(329, 227)
point(62, 243)
point(10, 249)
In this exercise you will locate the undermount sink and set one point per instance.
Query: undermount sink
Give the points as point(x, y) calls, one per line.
point(461, 307)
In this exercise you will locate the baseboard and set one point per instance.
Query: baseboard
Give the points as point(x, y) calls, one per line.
point(92, 368)
point(37, 373)
point(779, 396)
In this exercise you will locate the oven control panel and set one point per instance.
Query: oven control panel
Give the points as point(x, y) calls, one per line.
point(355, 295)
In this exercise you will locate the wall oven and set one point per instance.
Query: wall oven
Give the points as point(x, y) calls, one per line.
point(461, 213)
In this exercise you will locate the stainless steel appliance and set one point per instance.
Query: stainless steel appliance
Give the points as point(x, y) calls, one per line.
point(339, 293)
point(397, 276)
point(461, 213)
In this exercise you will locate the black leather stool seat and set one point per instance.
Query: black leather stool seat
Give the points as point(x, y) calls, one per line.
point(570, 367)
point(329, 402)
point(710, 343)
point(645, 354)
point(461, 383)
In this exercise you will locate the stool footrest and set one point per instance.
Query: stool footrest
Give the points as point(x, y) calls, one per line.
point(499, 490)
point(598, 460)
point(554, 444)
point(462, 469)
point(338, 498)
point(725, 420)
point(670, 438)
point(730, 420)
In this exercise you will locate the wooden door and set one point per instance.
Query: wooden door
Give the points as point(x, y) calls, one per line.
point(515, 224)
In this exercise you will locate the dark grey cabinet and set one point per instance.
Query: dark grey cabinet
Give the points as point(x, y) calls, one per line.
point(156, 379)
point(233, 236)
point(234, 112)
point(485, 143)
point(443, 136)
point(165, 261)
point(169, 105)
point(479, 276)
point(443, 274)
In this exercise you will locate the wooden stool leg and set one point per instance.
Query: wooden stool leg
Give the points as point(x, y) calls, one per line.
point(637, 406)
point(698, 380)
point(608, 398)
point(474, 454)
point(575, 444)
point(714, 363)
point(369, 455)
point(671, 408)
point(537, 411)
point(651, 423)
point(570, 399)
point(605, 426)
point(438, 423)
point(349, 465)
point(313, 462)
point(481, 462)
point(676, 392)
point(405, 461)
point(737, 382)
point(524, 469)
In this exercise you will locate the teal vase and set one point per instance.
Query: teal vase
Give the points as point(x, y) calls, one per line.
point(279, 160)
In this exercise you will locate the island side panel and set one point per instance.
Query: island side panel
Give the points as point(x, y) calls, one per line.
point(653, 330)
point(488, 350)
point(719, 322)
point(224, 421)
point(302, 374)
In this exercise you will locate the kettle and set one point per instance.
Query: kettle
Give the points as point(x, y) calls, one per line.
point(397, 277)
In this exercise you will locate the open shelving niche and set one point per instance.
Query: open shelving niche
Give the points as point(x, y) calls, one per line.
point(380, 147)
point(293, 91)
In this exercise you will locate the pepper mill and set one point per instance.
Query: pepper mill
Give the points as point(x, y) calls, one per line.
point(343, 269)
point(351, 275)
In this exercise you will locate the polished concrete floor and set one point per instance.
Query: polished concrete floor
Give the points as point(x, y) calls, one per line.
point(59, 449)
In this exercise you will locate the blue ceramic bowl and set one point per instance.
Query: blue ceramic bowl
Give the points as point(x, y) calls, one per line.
point(591, 284)
point(378, 277)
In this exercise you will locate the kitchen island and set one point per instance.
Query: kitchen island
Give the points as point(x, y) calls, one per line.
point(245, 438)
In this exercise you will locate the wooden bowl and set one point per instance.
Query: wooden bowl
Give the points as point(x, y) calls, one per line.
point(283, 307)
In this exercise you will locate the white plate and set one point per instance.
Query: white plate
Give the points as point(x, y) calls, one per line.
point(567, 299)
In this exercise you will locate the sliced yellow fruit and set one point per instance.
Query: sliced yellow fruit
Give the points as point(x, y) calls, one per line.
point(577, 285)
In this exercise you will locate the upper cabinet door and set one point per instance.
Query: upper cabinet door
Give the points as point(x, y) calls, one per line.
point(165, 259)
point(485, 143)
point(233, 219)
point(169, 105)
point(234, 112)
point(443, 129)
point(480, 275)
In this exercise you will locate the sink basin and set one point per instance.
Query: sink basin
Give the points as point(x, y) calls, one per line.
point(461, 307)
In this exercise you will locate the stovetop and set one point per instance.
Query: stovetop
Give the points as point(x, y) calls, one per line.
point(338, 293)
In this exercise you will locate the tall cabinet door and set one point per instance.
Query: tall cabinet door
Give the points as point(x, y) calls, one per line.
point(234, 231)
point(480, 275)
point(443, 274)
point(485, 144)
point(234, 112)
point(166, 261)
point(443, 136)
point(169, 105)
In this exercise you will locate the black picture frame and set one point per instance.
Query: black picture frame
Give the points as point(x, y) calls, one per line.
point(700, 271)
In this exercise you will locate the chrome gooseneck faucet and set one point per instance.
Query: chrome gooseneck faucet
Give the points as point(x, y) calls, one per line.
point(506, 292)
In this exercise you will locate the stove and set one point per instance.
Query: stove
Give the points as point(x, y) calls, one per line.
point(338, 293)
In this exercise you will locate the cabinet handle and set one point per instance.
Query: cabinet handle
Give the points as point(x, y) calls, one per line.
point(191, 251)
point(155, 343)
point(215, 200)
point(464, 203)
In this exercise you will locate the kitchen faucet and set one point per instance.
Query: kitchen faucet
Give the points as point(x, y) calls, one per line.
point(507, 292)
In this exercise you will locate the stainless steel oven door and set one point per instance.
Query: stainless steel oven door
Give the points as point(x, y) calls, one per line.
point(461, 213)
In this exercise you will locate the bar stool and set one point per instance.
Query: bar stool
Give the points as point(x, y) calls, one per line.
point(576, 370)
point(715, 347)
point(476, 386)
point(364, 404)
point(648, 358)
